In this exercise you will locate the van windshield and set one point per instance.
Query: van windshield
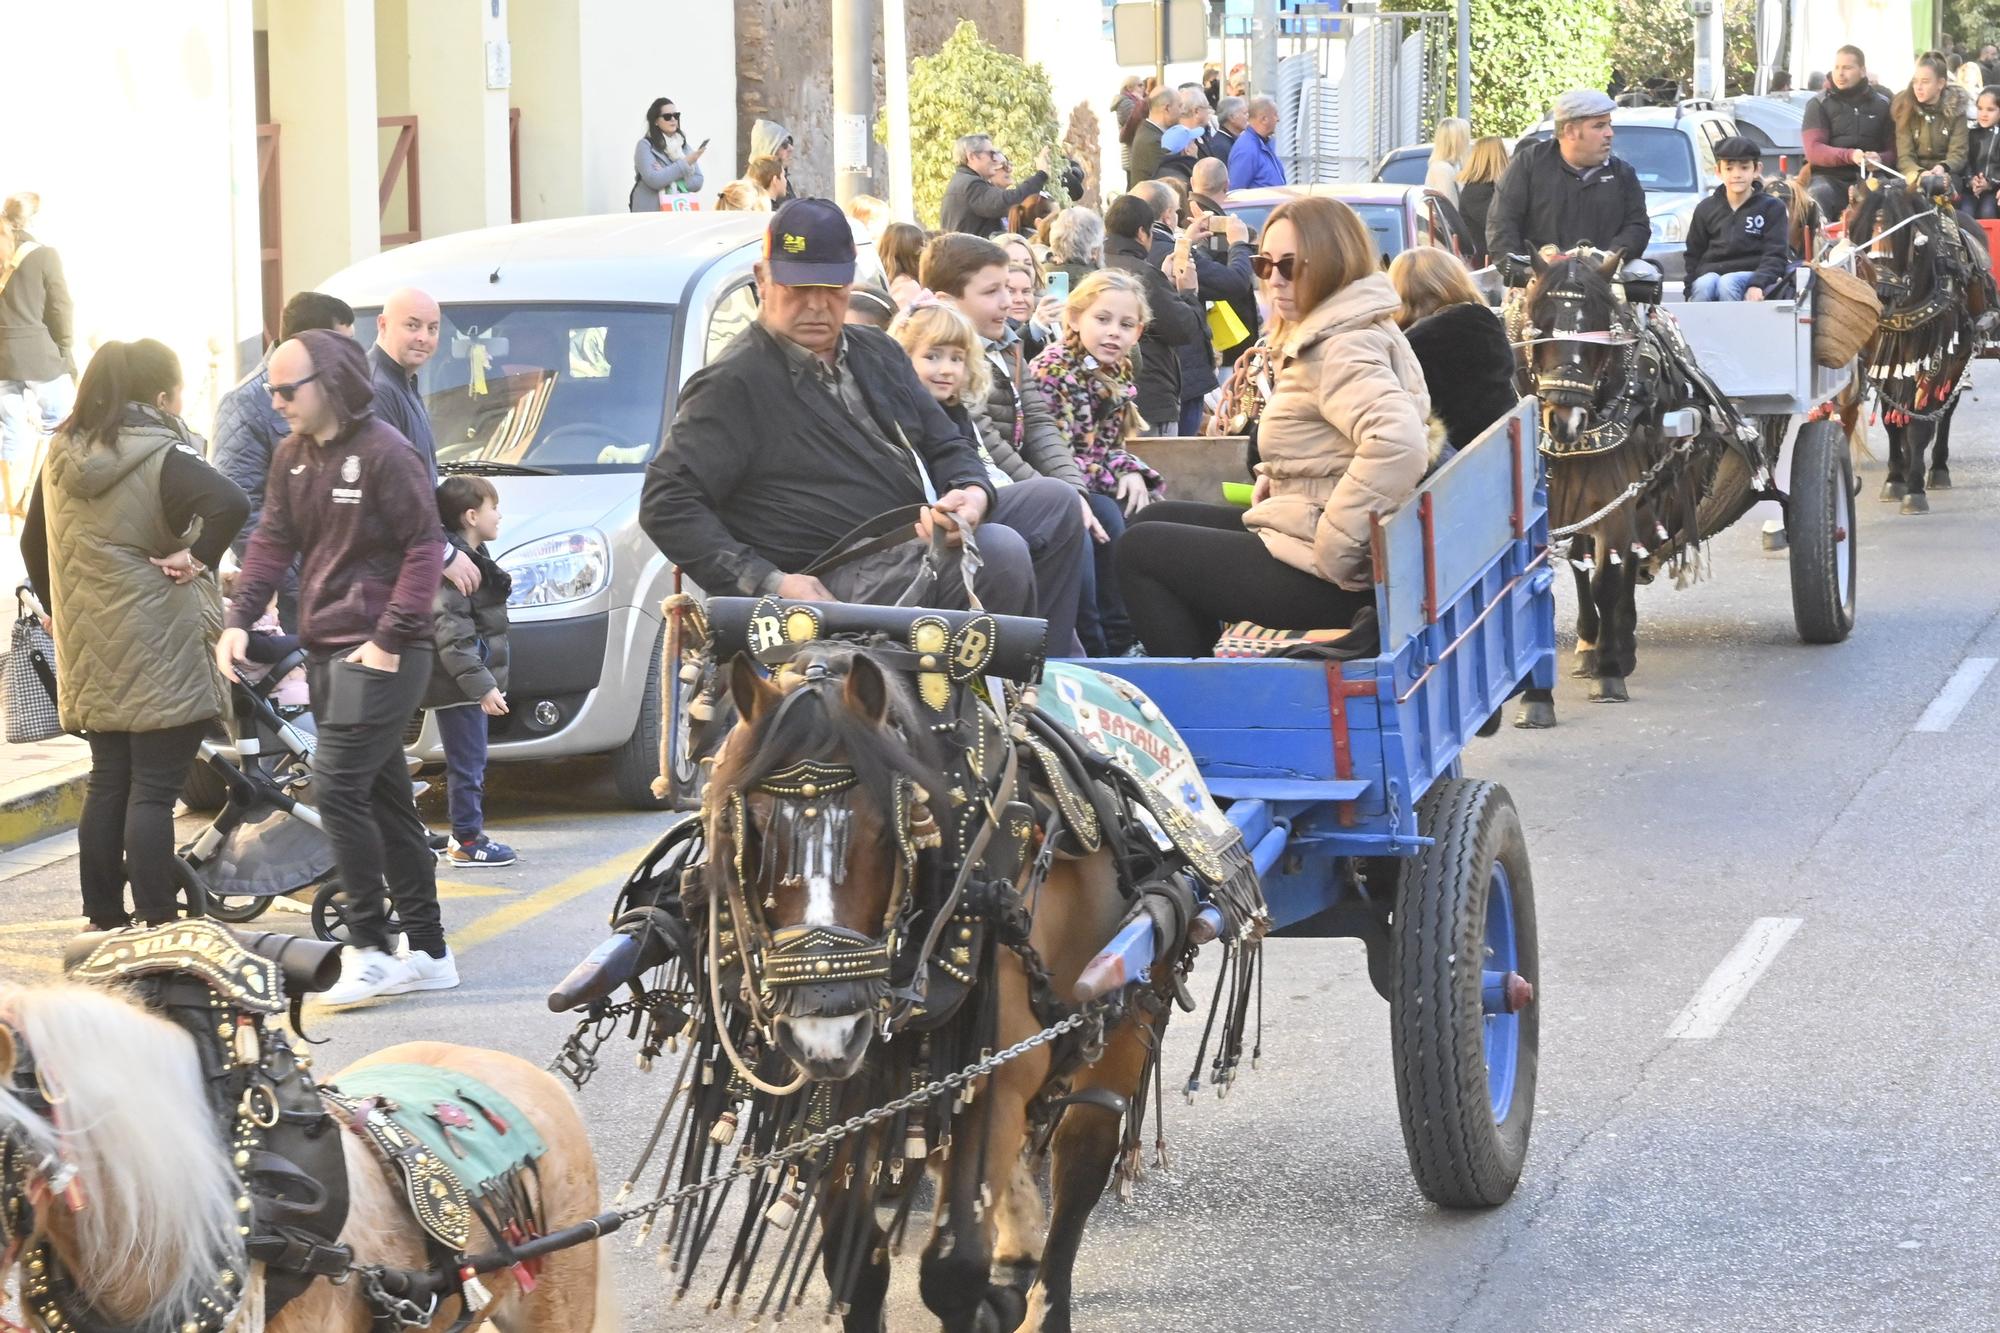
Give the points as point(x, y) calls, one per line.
point(548, 388)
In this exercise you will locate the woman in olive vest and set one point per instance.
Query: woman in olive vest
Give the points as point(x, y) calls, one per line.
point(123, 529)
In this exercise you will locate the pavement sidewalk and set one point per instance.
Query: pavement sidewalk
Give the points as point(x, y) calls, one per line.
point(41, 786)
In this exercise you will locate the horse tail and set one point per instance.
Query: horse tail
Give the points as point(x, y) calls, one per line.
point(129, 1112)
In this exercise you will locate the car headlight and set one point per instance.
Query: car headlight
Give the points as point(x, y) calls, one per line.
point(1669, 227)
point(567, 567)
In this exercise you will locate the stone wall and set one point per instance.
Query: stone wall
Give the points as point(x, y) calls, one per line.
point(784, 71)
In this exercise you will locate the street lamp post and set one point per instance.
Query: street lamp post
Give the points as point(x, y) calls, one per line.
point(853, 96)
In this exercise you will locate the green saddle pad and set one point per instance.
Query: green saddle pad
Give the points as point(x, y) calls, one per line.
point(479, 1135)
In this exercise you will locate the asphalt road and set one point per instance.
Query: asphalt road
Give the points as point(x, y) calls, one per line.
point(1823, 1160)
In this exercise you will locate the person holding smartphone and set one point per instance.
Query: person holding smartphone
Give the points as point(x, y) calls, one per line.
point(352, 498)
point(663, 165)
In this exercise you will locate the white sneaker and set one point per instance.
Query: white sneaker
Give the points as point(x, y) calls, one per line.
point(365, 974)
point(423, 972)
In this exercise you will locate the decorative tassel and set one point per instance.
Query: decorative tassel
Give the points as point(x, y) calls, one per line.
point(249, 1050)
point(723, 1132)
point(475, 1294)
point(785, 1207)
point(915, 1147)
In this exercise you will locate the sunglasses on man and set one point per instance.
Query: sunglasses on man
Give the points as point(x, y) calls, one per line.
point(286, 392)
point(1264, 266)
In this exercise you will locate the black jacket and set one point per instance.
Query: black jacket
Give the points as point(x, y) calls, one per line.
point(1217, 145)
point(1227, 279)
point(1475, 202)
point(1982, 157)
point(1541, 201)
point(1856, 118)
point(1721, 239)
point(975, 205)
point(1468, 366)
point(1176, 321)
point(35, 320)
point(1179, 166)
point(471, 634)
point(763, 469)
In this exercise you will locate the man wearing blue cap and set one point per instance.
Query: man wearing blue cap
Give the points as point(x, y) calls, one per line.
point(805, 427)
point(1569, 190)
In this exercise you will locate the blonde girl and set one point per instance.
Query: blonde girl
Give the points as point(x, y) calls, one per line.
point(1449, 146)
point(1087, 380)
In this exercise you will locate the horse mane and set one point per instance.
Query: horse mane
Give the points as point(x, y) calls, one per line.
point(133, 1116)
point(1881, 209)
point(812, 728)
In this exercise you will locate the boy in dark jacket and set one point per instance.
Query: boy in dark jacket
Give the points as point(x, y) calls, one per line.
point(1737, 246)
point(470, 682)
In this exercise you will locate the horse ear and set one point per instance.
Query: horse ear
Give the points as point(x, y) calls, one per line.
point(867, 691)
point(1612, 263)
point(752, 693)
point(1539, 261)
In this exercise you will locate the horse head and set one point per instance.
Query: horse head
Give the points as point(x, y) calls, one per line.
point(1889, 226)
point(816, 811)
point(115, 1191)
point(1575, 328)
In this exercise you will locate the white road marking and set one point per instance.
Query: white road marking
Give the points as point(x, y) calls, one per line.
point(1956, 694)
point(1733, 977)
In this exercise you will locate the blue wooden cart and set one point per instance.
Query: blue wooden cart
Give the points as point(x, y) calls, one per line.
point(1347, 784)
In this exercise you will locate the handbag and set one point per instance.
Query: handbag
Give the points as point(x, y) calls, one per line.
point(30, 678)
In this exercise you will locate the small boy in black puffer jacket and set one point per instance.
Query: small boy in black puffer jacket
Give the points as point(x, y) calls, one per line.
point(470, 682)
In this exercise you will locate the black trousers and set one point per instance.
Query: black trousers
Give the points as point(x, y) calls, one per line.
point(1186, 570)
point(127, 827)
point(362, 784)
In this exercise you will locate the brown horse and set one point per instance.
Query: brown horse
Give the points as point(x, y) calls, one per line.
point(817, 816)
point(151, 1228)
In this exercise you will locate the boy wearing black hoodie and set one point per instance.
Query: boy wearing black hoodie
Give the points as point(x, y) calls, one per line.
point(1737, 239)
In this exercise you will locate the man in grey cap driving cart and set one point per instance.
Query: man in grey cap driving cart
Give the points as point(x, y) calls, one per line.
point(1569, 190)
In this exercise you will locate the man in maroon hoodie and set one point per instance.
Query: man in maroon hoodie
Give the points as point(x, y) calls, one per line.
point(350, 496)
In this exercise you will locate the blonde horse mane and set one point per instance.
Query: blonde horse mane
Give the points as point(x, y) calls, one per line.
point(159, 1195)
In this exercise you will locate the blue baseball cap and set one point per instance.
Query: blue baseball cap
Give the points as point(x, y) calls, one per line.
point(810, 243)
point(1177, 138)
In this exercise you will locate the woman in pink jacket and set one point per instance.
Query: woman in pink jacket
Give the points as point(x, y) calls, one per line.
point(1341, 436)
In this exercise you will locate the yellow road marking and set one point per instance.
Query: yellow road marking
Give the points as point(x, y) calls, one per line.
point(458, 888)
point(33, 962)
point(71, 924)
point(498, 922)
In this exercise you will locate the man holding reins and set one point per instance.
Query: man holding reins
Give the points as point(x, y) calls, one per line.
point(1569, 190)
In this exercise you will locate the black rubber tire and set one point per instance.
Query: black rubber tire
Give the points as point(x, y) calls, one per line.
point(1822, 507)
point(1460, 1156)
point(238, 910)
point(329, 923)
point(636, 763)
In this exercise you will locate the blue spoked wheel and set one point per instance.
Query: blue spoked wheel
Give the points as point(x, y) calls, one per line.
point(1463, 1011)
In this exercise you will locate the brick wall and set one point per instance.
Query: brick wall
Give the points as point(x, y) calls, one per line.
point(784, 71)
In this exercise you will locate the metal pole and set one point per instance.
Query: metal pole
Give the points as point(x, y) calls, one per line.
point(1465, 59)
point(896, 84)
point(1160, 43)
point(853, 96)
point(1264, 48)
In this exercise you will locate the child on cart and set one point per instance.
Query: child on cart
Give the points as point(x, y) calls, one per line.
point(1737, 243)
point(469, 683)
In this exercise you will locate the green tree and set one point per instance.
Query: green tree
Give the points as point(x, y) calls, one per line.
point(1526, 53)
point(1972, 23)
point(1655, 39)
point(969, 87)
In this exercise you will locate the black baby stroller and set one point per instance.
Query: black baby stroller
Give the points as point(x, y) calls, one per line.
point(267, 841)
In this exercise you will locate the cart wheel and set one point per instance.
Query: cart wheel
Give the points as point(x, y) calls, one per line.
point(329, 915)
point(1463, 947)
point(238, 910)
point(683, 768)
point(1820, 530)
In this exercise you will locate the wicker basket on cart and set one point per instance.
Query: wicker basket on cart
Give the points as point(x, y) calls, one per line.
point(1845, 312)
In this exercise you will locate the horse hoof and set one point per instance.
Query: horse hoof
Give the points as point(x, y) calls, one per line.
point(1536, 716)
point(1491, 726)
point(1915, 503)
point(1940, 479)
point(1609, 690)
point(1893, 490)
point(1586, 664)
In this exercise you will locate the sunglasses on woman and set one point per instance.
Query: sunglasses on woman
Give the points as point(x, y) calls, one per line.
point(1264, 266)
point(670, 115)
point(287, 392)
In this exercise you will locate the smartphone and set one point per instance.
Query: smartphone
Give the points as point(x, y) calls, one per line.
point(1058, 285)
point(702, 146)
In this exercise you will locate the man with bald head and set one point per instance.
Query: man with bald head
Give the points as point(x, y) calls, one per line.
point(406, 334)
point(349, 496)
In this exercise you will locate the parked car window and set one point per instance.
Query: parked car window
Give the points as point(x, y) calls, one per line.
point(1401, 168)
point(735, 312)
point(1385, 220)
point(1664, 158)
point(564, 388)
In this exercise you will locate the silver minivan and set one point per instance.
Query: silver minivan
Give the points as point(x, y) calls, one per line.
point(563, 348)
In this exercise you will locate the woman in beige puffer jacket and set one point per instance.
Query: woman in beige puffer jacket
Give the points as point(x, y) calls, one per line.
point(1341, 437)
